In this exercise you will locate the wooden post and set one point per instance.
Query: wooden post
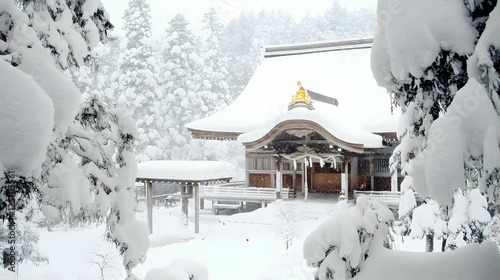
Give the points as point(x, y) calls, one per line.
point(394, 181)
point(279, 184)
point(346, 170)
point(354, 173)
point(196, 189)
point(306, 188)
point(185, 203)
point(149, 203)
point(372, 179)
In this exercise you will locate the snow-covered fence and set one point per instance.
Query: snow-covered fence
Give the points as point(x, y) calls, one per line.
point(239, 194)
point(251, 194)
point(388, 198)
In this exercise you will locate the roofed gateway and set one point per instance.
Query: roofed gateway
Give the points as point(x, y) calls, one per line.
point(313, 119)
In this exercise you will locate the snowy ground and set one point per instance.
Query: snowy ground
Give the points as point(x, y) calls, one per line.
point(232, 245)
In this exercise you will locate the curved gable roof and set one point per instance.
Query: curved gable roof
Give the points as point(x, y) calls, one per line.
point(342, 72)
point(327, 120)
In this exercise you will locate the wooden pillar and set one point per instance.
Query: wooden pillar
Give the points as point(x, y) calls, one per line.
point(372, 179)
point(196, 189)
point(394, 181)
point(247, 165)
point(306, 188)
point(345, 179)
point(149, 203)
point(279, 184)
point(185, 202)
point(354, 173)
point(311, 175)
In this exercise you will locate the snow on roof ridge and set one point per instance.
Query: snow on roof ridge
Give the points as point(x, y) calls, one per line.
point(325, 46)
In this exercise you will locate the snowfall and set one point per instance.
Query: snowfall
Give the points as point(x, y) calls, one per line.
point(246, 245)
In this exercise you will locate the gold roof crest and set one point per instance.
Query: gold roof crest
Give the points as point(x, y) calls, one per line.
point(300, 95)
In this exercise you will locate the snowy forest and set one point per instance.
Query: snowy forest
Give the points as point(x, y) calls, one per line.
point(81, 105)
point(185, 76)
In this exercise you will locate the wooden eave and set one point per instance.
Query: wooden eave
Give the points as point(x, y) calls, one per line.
point(184, 182)
point(302, 125)
point(214, 135)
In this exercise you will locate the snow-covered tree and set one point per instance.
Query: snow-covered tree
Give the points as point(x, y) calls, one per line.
point(243, 57)
point(286, 226)
point(214, 88)
point(469, 222)
point(106, 70)
point(340, 246)
point(51, 150)
point(344, 24)
point(441, 75)
point(406, 206)
point(138, 79)
point(183, 82)
point(427, 223)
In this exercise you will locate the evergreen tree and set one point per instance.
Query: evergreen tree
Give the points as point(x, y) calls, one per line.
point(439, 147)
point(343, 24)
point(71, 168)
point(237, 43)
point(427, 222)
point(469, 222)
point(340, 245)
point(106, 70)
point(183, 81)
point(138, 81)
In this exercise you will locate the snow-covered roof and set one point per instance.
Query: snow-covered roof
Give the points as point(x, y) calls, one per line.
point(340, 70)
point(326, 119)
point(184, 171)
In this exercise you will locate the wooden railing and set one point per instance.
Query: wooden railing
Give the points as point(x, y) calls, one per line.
point(243, 194)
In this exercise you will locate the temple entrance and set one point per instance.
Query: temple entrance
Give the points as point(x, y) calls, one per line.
point(325, 179)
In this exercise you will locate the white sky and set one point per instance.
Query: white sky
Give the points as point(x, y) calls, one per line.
point(164, 10)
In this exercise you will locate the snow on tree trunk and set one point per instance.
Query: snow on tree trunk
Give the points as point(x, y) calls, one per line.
point(340, 246)
point(427, 223)
point(429, 242)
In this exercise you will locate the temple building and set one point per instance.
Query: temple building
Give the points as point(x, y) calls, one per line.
point(312, 118)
